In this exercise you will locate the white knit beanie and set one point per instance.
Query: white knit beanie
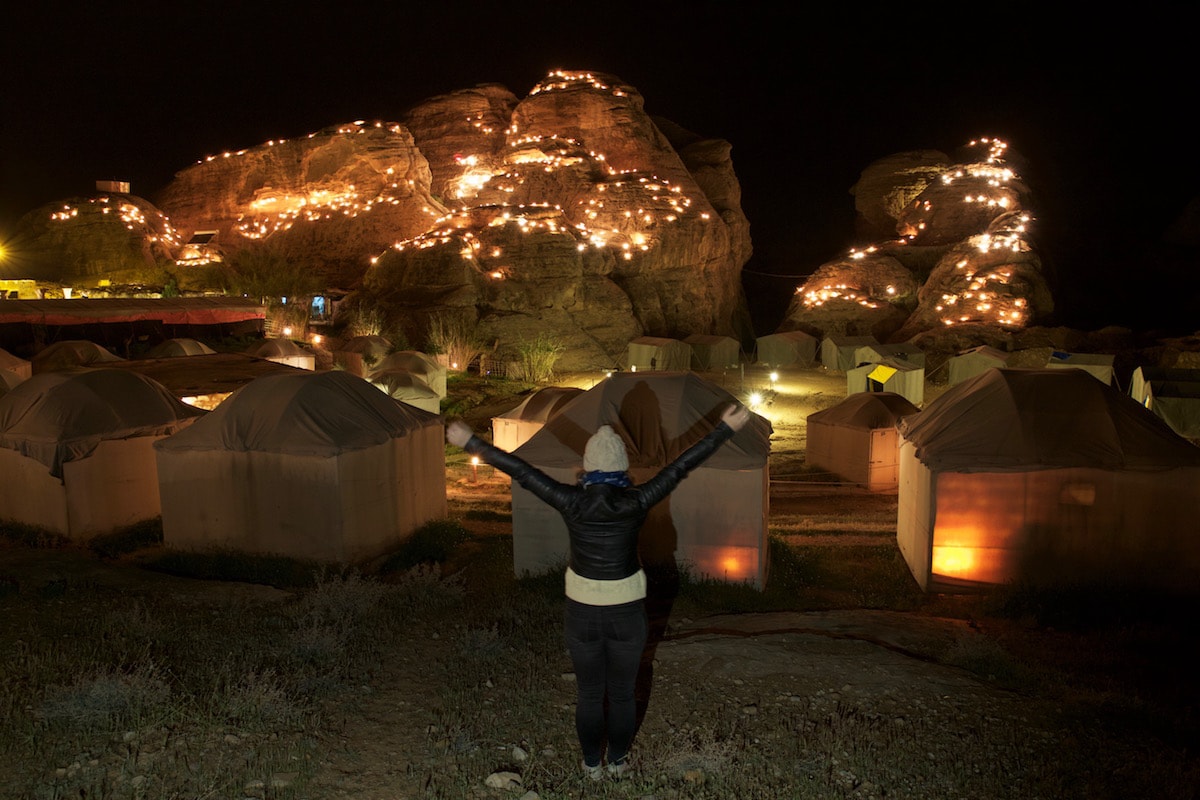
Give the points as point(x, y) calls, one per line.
point(605, 452)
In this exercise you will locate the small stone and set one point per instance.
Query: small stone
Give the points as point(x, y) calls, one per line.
point(503, 780)
point(519, 755)
point(530, 795)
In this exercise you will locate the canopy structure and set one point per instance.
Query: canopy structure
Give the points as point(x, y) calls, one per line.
point(787, 349)
point(284, 351)
point(405, 387)
point(423, 365)
point(877, 353)
point(71, 353)
point(838, 351)
point(1046, 476)
point(888, 375)
point(711, 352)
point(516, 426)
point(1173, 394)
point(76, 449)
point(970, 363)
point(1098, 365)
point(317, 466)
point(179, 347)
point(715, 523)
point(358, 355)
point(17, 366)
point(656, 353)
point(857, 439)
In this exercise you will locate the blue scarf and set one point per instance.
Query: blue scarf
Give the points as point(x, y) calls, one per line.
point(618, 479)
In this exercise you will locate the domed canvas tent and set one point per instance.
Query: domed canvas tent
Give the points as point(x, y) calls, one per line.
point(787, 349)
point(284, 351)
point(837, 351)
point(18, 366)
point(516, 426)
point(312, 465)
point(177, 348)
point(710, 352)
point(405, 387)
point(656, 353)
point(888, 375)
point(71, 353)
point(876, 353)
point(1173, 394)
point(358, 355)
point(970, 363)
point(715, 523)
point(424, 366)
point(76, 449)
point(1046, 476)
point(857, 439)
point(1098, 365)
point(8, 380)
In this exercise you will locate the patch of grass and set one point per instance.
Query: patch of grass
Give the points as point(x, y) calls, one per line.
point(31, 535)
point(433, 542)
point(132, 538)
point(278, 571)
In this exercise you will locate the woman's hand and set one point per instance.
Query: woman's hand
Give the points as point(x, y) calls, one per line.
point(736, 416)
point(458, 433)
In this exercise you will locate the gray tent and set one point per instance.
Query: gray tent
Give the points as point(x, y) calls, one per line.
point(76, 449)
point(711, 352)
point(1173, 394)
point(888, 375)
point(71, 353)
point(18, 366)
point(1098, 365)
point(311, 465)
point(970, 363)
point(715, 523)
point(406, 387)
point(176, 348)
point(516, 426)
point(284, 351)
point(423, 365)
point(359, 355)
point(658, 353)
point(1046, 476)
point(857, 439)
point(838, 351)
point(787, 349)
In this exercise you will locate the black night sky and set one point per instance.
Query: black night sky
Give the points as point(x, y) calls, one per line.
point(1098, 107)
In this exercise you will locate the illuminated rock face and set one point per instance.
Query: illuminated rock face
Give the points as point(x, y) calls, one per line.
point(958, 254)
point(329, 199)
point(116, 237)
point(576, 217)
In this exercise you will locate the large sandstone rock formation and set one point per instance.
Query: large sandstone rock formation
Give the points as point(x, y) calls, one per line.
point(959, 254)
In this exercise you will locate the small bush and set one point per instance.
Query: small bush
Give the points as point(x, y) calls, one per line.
point(538, 357)
point(30, 535)
point(129, 539)
point(431, 543)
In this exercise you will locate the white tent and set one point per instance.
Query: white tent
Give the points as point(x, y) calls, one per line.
point(284, 351)
point(76, 449)
point(888, 375)
point(656, 353)
point(359, 355)
point(1173, 394)
point(15, 365)
point(1098, 365)
point(711, 352)
point(516, 426)
point(970, 363)
point(423, 365)
point(319, 466)
point(787, 349)
point(180, 347)
point(1050, 477)
point(71, 353)
point(405, 387)
point(857, 439)
point(877, 353)
point(837, 351)
point(715, 522)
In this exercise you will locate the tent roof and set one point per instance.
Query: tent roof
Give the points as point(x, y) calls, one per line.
point(985, 351)
point(413, 361)
point(61, 416)
point(277, 348)
point(306, 413)
point(71, 353)
point(401, 383)
point(10, 362)
point(708, 339)
point(1020, 419)
point(173, 348)
point(371, 344)
point(542, 404)
point(658, 414)
point(788, 336)
point(866, 410)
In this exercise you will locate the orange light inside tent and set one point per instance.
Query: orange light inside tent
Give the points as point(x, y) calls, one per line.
point(958, 562)
point(731, 565)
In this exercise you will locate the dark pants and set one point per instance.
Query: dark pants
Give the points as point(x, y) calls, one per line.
point(606, 644)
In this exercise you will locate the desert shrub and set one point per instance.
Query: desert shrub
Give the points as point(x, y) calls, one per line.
point(30, 535)
point(537, 357)
point(108, 699)
point(455, 337)
point(128, 539)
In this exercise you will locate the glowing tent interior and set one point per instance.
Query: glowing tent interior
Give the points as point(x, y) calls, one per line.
point(1046, 476)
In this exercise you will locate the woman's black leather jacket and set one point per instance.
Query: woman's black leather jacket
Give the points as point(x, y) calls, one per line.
point(602, 520)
